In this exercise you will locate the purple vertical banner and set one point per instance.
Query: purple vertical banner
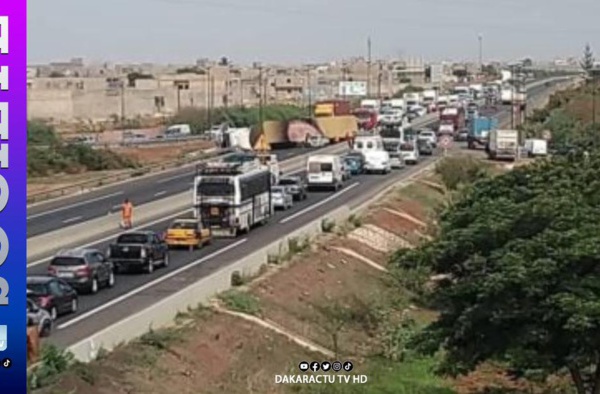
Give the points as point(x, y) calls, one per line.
point(13, 196)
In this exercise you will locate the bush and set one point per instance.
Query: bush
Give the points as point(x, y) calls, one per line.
point(456, 171)
point(198, 118)
point(47, 154)
point(54, 361)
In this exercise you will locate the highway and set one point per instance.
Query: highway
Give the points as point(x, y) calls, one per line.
point(54, 215)
point(134, 292)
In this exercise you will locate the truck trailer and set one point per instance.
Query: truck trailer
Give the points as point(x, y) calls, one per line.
point(503, 144)
point(479, 129)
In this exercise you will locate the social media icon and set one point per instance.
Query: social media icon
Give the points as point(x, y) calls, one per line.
point(325, 366)
point(303, 366)
point(336, 366)
point(6, 363)
point(3, 338)
point(314, 366)
point(348, 366)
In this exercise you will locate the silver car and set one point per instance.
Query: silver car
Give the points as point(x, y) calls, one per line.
point(282, 199)
point(39, 317)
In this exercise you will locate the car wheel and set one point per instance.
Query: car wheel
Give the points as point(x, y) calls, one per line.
point(111, 279)
point(94, 286)
point(166, 261)
point(150, 266)
point(74, 305)
point(53, 313)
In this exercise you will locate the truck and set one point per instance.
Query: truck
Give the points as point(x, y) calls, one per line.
point(332, 108)
point(429, 98)
point(372, 104)
point(454, 116)
point(502, 144)
point(366, 117)
point(479, 129)
point(144, 250)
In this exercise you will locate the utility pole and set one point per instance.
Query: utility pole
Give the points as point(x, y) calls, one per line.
point(309, 91)
point(369, 67)
point(208, 114)
point(122, 86)
point(260, 99)
point(178, 98)
point(379, 80)
point(480, 38)
point(212, 95)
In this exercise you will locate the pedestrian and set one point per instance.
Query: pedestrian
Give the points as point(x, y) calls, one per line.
point(127, 214)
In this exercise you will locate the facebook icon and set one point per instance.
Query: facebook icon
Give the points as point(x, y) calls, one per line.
point(314, 366)
point(3, 338)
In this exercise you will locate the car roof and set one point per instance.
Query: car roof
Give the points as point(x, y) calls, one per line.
point(76, 253)
point(292, 177)
point(41, 279)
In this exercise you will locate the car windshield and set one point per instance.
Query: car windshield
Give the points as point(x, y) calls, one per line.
point(288, 181)
point(38, 288)
point(183, 226)
point(132, 239)
point(277, 190)
point(67, 261)
point(407, 147)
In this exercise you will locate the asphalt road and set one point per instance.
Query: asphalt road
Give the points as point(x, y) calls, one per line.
point(77, 209)
point(134, 292)
point(69, 211)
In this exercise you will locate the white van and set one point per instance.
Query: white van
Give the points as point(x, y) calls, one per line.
point(377, 159)
point(536, 147)
point(324, 171)
point(178, 131)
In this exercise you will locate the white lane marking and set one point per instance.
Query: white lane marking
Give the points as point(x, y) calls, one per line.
point(76, 218)
point(97, 241)
point(150, 284)
point(318, 204)
point(169, 179)
point(158, 194)
point(37, 215)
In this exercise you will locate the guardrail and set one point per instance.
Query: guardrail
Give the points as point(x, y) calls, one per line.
point(133, 173)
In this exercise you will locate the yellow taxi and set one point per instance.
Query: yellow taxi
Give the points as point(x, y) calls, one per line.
point(187, 232)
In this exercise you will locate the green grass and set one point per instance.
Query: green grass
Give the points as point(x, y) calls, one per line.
point(385, 377)
point(241, 302)
point(429, 198)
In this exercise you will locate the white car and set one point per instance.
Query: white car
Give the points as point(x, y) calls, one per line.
point(282, 199)
point(429, 136)
point(391, 116)
point(317, 141)
point(410, 152)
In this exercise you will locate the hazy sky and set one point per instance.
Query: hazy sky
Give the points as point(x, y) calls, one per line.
point(180, 31)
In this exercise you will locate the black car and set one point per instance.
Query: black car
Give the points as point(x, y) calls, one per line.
point(84, 269)
point(139, 250)
point(425, 148)
point(295, 185)
point(356, 155)
point(52, 294)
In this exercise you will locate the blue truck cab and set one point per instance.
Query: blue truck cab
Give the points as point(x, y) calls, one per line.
point(479, 129)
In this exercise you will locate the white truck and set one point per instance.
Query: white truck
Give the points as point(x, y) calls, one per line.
point(503, 144)
point(178, 131)
point(324, 171)
point(370, 104)
point(535, 147)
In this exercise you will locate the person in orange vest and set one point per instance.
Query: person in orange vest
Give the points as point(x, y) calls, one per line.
point(127, 214)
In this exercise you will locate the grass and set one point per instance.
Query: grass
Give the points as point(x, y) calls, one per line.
point(414, 376)
point(239, 301)
point(429, 199)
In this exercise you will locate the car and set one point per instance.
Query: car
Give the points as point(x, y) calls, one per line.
point(188, 233)
point(391, 116)
point(85, 269)
point(429, 136)
point(144, 250)
point(425, 148)
point(410, 152)
point(462, 135)
point(296, 186)
point(53, 294)
point(39, 317)
point(317, 141)
point(282, 199)
point(346, 171)
point(354, 164)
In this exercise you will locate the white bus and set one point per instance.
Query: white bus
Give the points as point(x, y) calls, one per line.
point(232, 197)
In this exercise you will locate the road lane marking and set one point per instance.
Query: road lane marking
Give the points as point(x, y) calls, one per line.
point(76, 218)
point(171, 178)
point(156, 281)
point(97, 241)
point(37, 215)
point(158, 194)
point(318, 204)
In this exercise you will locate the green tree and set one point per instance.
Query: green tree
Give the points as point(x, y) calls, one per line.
point(587, 61)
point(522, 254)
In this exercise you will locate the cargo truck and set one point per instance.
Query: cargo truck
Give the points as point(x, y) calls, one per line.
point(332, 108)
point(503, 144)
point(454, 116)
point(479, 129)
point(335, 120)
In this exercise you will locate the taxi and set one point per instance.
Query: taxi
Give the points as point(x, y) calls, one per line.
point(187, 232)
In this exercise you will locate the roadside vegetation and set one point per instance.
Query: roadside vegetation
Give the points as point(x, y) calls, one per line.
point(47, 154)
point(200, 119)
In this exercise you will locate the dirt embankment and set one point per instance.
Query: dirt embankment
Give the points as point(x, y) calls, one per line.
point(331, 299)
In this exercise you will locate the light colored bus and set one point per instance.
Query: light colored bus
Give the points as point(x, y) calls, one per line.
point(232, 197)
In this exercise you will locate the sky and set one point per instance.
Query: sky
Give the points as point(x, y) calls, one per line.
point(304, 31)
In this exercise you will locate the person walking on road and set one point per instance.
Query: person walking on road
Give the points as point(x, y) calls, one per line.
point(127, 214)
